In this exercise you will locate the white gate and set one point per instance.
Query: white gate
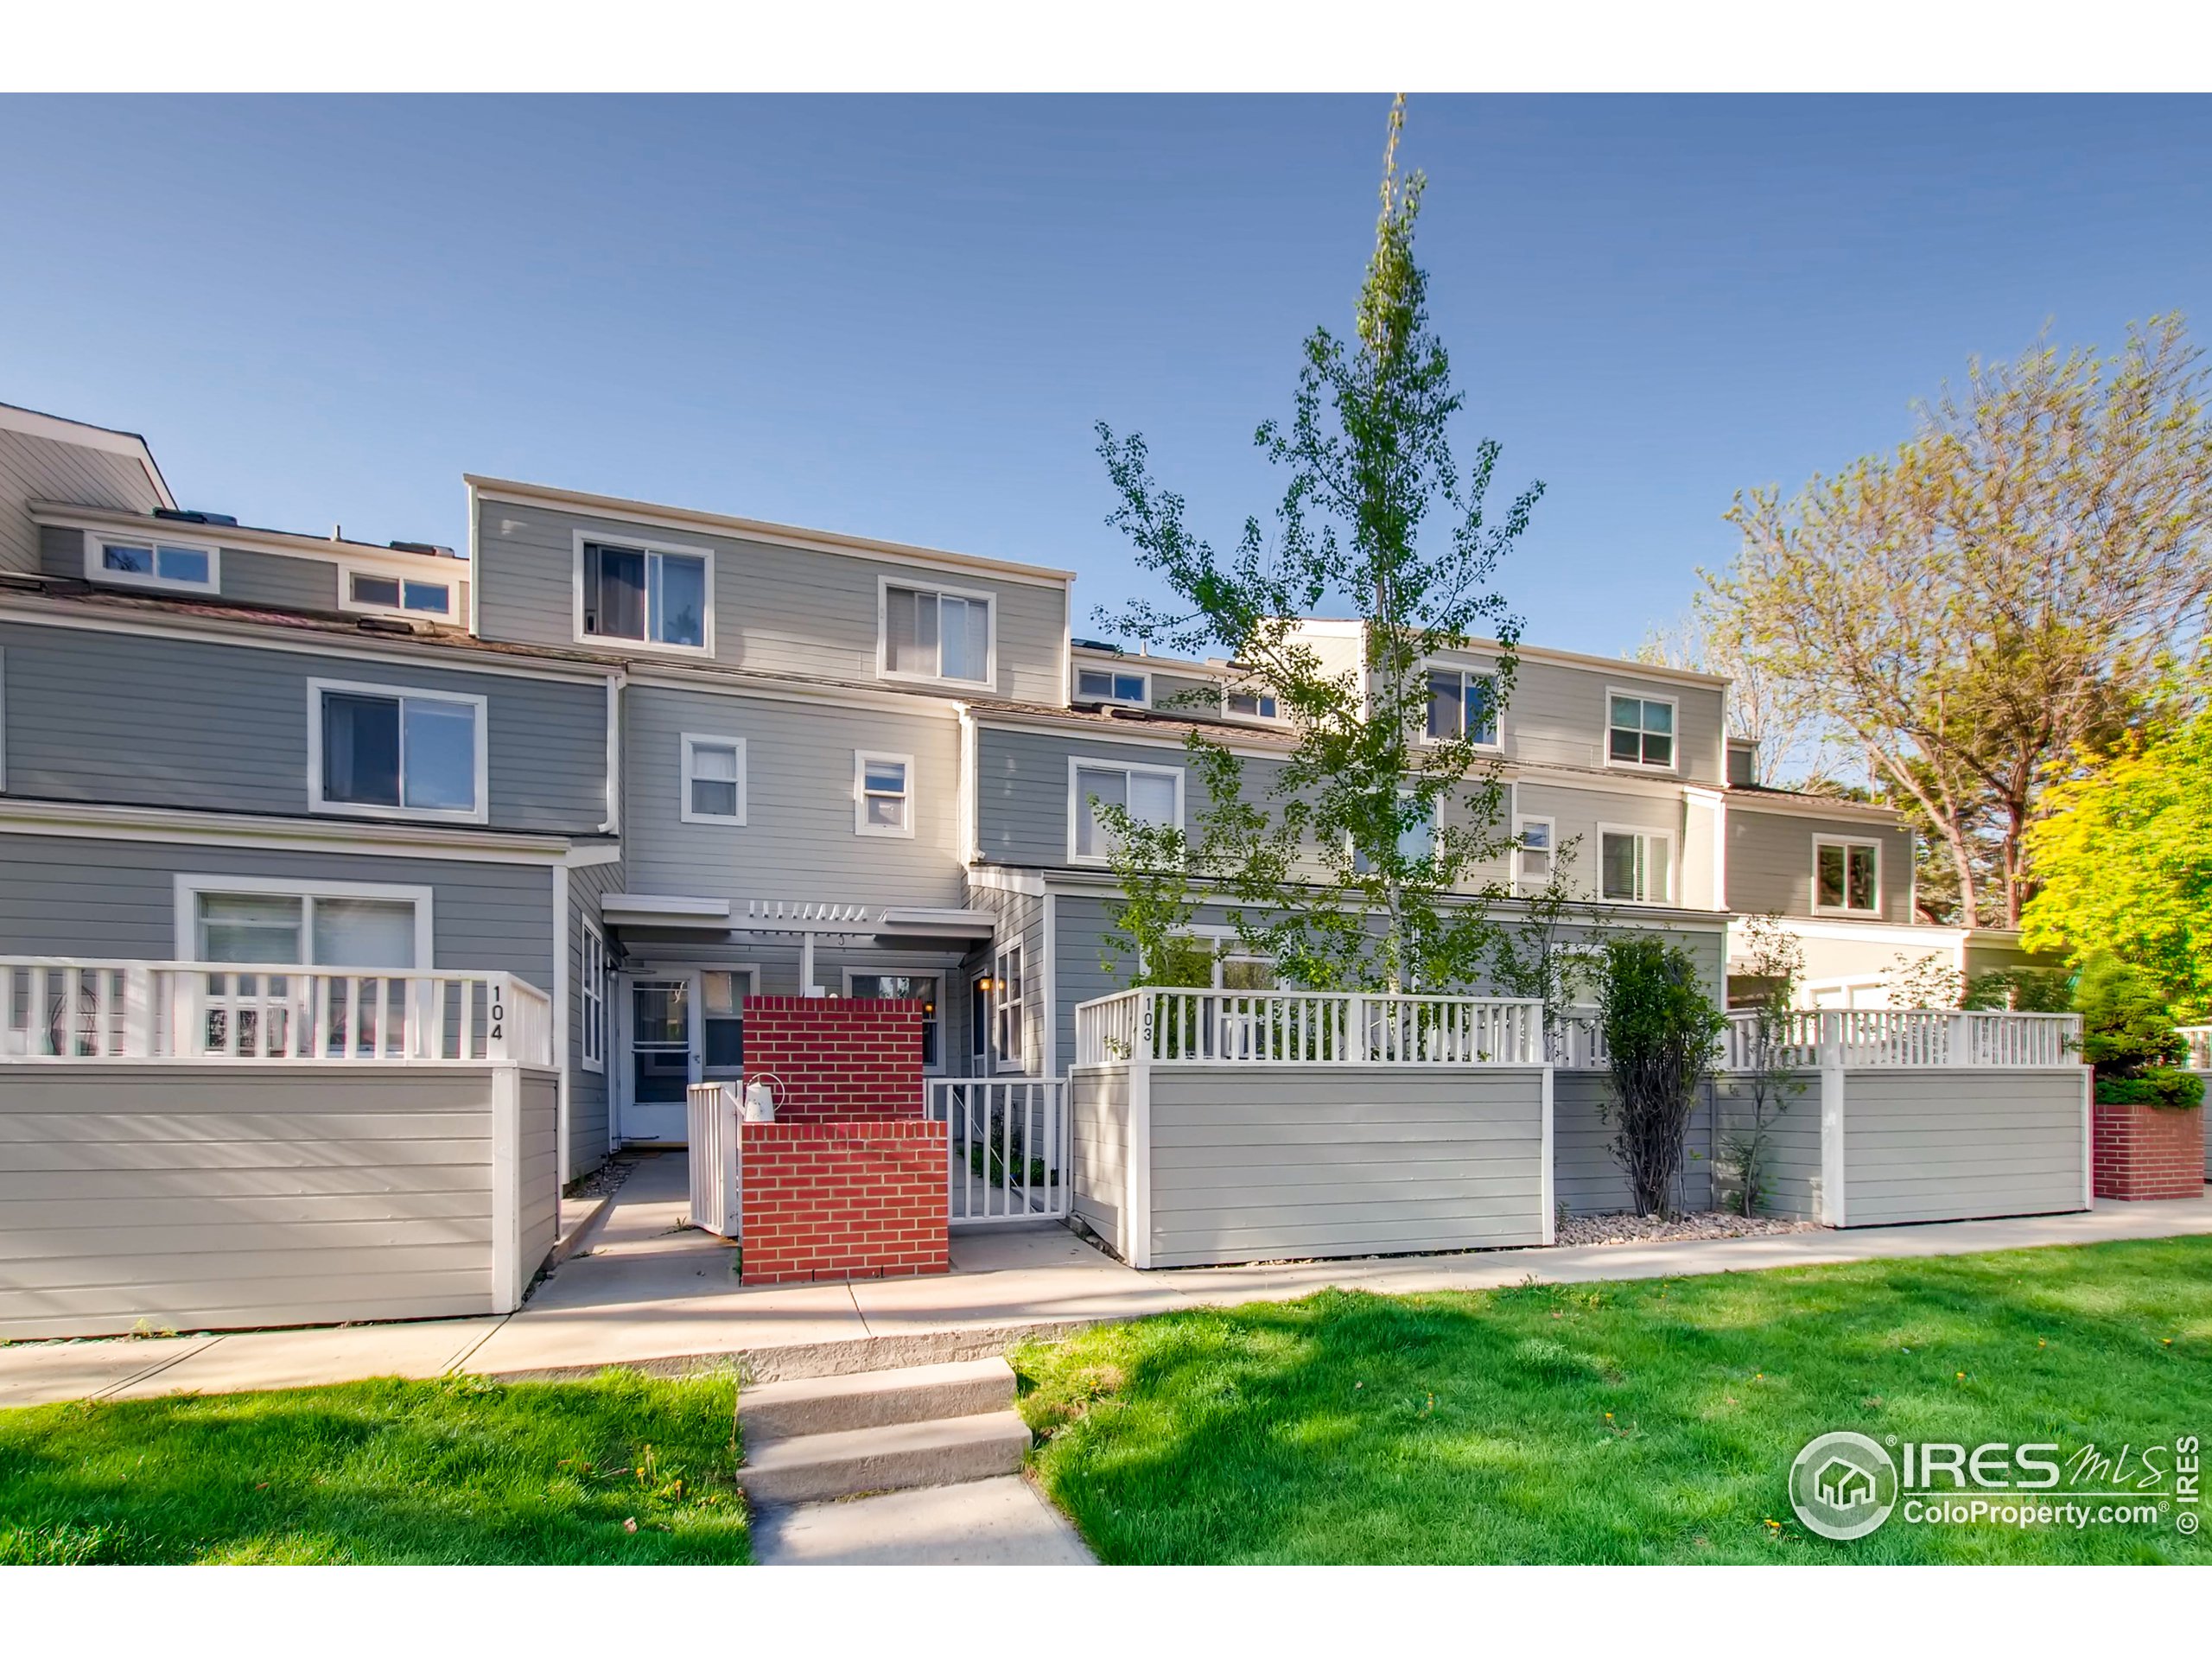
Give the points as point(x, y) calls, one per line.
point(1008, 1138)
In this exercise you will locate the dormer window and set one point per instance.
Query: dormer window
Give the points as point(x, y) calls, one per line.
point(1250, 705)
point(1462, 706)
point(1111, 685)
point(934, 634)
point(367, 590)
point(647, 595)
point(132, 563)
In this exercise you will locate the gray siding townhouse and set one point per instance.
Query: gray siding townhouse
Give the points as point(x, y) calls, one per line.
point(653, 759)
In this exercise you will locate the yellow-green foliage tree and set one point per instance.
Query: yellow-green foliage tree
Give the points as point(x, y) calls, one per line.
point(2124, 857)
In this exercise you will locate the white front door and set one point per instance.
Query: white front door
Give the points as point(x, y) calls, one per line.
point(662, 1058)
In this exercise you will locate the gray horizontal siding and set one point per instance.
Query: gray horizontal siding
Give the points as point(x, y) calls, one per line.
point(1771, 861)
point(1790, 1186)
point(252, 576)
point(1019, 918)
point(1098, 1145)
point(797, 840)
point(1588, 1177)
point(140, 719)
point(1251, 1163)
point(589, 1125)
point(777, 609)
point(85, 897)
point(47, 469)
point(202, 1199)
point(1558, 715)
point(538, 1168)
point(1951, 1145)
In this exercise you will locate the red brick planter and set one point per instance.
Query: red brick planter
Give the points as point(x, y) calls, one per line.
point(2147, 1152)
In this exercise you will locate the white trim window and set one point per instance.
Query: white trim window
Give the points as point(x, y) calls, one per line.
point(1640, 730)
point(1009, 1002)
point(1847, 877)
point(364, 924)
point(1249, 704)
point(883, 793)
point(152, 562)
point(936, 634)
point(1417, 842)
point(1149, 794)
point(714, 778)
point(1113, 685)
point(919, 987)
point(1634, 866)
point(591, 996)
point(1535, 853)
point(655, 595)
point(1463, 705)
point(386, 592)
point(396, 752)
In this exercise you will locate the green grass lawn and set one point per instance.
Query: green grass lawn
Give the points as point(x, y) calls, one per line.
point(1616, 1422)
point(623, 1468)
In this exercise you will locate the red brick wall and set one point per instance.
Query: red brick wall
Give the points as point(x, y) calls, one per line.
point(2147, 1152)
point(837, 1056)
point(829, 1199)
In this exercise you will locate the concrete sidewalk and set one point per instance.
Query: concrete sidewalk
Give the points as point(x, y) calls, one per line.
point(643, 1292)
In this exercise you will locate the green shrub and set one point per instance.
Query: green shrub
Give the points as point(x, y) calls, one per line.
point(2023, 991)
point(1660, 1031)
point(2161, 1085)
point(2126, 1027)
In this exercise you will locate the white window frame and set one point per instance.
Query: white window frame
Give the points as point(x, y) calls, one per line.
point(1218, 935)
point(1846, 909)
point(690, 744)
point(862, 757)
point(592, 999)
point(1008, 1014)
point(481, 813)
point(1227, 713)
point(1143, 677)
point(1522, 882)
point(97, 542)
point(943, 977)
point(189, 888)
point(1605, 743)
point(1078, 763)
point(1496, 744)
point(346, 572)
point(1673, 862)
point(622, 642)
point(885, 582)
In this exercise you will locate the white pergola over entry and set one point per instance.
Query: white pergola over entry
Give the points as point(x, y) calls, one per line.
point(807, 921)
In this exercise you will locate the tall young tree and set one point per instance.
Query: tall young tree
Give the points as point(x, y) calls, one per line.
point(1341, 865)
point(1998, 590)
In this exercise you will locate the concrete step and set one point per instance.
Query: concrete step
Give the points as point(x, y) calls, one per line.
point(892, 1457)
point(912, 1394)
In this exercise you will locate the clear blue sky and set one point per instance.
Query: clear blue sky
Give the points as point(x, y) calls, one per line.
point(901, 317)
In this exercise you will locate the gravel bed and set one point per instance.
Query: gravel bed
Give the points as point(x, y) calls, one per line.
point(607, 1180)
point(1637, 1230)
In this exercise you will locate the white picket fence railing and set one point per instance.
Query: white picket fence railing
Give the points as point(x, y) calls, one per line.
point(1158, 1023)
point(715, 1143)
point(1860, 1038)
point(2199, 1039)
point(67, 1009)
point(1007, 1139)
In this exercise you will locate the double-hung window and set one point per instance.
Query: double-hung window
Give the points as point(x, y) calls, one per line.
point(392, 595)
point(1533, 853)
point(1639, 731)
point(714, 779)
point(390, 751)
point(649, 595)
point(1847, 877)
point(933, 633)
point(883, 794)
point(1111, 685)
point(1152, 795)
point(1462, 705)
point(591, 989)
point(1009, 997)
point(149, 562)
point(1636, 866)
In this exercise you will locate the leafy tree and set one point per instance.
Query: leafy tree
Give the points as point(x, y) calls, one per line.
point(1352, 865)
point(1661, 1029)
point(1998, 591)
point(2124, 854)
point(1765, 708)
point(1765, 1077)
point(2128, 1036)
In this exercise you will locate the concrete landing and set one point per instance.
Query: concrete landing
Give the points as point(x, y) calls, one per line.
point(1003, 1522)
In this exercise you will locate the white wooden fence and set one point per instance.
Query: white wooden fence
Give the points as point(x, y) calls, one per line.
point(1320, 1027)
point(1008, 1140)
point(63, 1009)
point(712, 1112)
point(1860, 1038)
point(2199, 1039)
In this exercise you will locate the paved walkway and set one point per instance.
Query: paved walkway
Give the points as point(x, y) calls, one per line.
point(646, 1294)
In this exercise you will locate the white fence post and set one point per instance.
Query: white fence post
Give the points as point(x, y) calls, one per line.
point(507, 1188)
